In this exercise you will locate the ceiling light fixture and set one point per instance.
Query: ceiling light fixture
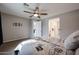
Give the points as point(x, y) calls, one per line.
point(35, 15)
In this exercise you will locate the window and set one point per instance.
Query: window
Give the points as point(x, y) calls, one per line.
point(54, 25)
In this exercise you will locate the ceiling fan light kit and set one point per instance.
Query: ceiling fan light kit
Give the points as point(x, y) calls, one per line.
point(36, 15)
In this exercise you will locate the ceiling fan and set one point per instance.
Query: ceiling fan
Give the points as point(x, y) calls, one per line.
point(36, 12)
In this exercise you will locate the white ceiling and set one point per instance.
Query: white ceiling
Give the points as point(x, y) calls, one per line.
point(51, 8)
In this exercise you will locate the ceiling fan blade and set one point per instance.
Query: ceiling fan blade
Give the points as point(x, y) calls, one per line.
point(43, 14)
point(31, 16)
point(25, 4)
point(29, 12)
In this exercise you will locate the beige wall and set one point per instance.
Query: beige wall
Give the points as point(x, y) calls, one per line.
point(45, 28)
point(69, 22)
point(10, 32)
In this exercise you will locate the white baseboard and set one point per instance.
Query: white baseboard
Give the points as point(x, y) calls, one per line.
point(14, 40)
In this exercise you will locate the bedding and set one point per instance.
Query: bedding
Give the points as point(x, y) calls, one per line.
point(39, 47)
point(71, 44)
point(72, 41)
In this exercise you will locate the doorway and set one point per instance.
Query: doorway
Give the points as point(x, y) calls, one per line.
point(36, 28)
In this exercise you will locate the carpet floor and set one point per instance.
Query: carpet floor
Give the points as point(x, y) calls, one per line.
point(8, 47)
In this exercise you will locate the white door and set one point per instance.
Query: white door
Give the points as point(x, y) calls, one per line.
point(36, 28)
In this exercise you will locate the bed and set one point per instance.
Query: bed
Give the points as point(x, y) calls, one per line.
point(38, 47)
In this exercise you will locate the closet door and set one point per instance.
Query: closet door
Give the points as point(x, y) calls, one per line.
point(1, 36)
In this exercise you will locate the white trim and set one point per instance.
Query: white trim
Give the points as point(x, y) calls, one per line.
point(14, 40)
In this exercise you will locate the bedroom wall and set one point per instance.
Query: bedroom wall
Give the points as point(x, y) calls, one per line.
point(45, 28)
point(69, 22)
point(10, 32)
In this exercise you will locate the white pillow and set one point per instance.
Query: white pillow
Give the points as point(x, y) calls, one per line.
point(72, 42)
